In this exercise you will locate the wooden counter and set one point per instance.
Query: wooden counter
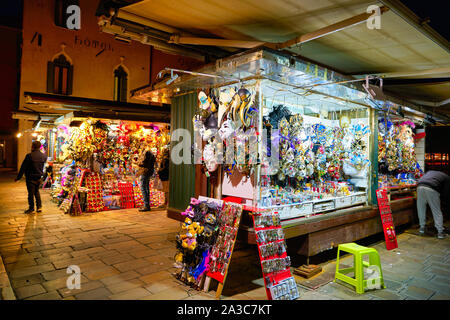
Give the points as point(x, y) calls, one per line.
point(322, 232)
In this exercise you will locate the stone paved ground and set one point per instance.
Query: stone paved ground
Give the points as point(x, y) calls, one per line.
point(125, 254)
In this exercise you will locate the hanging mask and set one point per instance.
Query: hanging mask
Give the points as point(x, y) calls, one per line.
point(204, 100)
point(226, 130)
point(284, 127)
point(208, 134)
point(211, 121)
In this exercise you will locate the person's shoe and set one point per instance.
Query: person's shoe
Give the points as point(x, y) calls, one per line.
point(422, 231)
point(442, 235)
point(144, 209)
point(39, 210)
point(28, 211)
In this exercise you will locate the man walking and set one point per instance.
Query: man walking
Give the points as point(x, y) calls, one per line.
point(430, 188)
point(146, 168)
point(33, 168)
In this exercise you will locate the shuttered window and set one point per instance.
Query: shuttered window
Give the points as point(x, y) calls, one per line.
point(59, 76)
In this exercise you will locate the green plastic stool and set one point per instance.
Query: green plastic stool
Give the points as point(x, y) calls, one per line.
point(359, 264)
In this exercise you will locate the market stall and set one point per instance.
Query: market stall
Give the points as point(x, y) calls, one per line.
point(95, 163)
point(275, 133)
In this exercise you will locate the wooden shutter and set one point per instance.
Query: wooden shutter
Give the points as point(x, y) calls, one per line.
point(50, 77)
point(123, 89)
point(70, 80)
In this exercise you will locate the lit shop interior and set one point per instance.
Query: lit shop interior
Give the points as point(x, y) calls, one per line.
point(318, 136)
point(94, 162)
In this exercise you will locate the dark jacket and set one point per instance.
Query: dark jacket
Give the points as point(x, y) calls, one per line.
point(146, 164)
point(163, 172)
point(436, 180)
point(32, 166)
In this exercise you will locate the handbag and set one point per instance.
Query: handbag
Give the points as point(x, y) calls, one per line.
point(157, 184)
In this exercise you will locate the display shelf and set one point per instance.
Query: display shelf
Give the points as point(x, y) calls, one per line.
point(318, 206)
point(401, 192)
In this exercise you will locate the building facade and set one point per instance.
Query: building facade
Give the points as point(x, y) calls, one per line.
point(81, 62)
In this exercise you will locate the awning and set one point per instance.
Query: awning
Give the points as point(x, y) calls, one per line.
point(50, 107)
point(412, 58)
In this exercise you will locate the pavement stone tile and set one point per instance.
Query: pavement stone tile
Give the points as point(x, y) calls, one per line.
point(26, 271)
point(50, 252)
point(87, 245)
point(124, 276)
point(104, 272)
point(132, 294)
point(173, 293)
point(55, 274)
point(87, 251)
point(142, 253)
point(52, 295)
point(393, 285)
point(440, 296)
point(439, 271)
point(418, 292)
point(91, 285)
point(20, 264)
point(117, 258)
point(52, 258)
point(385, 294)
point(95, 294)
point(118, 239)
point(156, 276)
point(27, 280)
point(63, 264)
point(20, 257)
point(131, 265)
point(61, 283)
point(431, 285)
point(161, 285)
point(29, 291)
point(123, 245)
point(125, 285)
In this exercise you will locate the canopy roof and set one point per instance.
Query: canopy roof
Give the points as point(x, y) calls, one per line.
point(411, 57)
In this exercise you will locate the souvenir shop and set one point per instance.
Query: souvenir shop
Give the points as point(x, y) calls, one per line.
point(289, 152)
point(95, 162)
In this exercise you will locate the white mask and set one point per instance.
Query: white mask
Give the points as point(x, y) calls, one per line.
point(226, 130)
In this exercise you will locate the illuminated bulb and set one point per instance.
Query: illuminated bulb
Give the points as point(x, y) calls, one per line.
point(19, 135)
point(34, 134)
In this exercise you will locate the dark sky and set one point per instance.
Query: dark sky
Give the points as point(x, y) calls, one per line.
point(437, 10)
point(11, 13)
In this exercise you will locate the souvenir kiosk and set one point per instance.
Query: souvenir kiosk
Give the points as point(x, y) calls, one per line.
point(94, 167)
point(275, 133)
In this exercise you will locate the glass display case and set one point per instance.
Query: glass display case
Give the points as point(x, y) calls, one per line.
point(287, 135)
point(316, 154)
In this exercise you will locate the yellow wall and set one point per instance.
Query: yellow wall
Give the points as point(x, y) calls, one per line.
point(92, 76)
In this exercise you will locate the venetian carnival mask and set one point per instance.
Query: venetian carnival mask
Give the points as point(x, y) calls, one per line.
point(284, 127)
point(204, 100)
point(227, 129)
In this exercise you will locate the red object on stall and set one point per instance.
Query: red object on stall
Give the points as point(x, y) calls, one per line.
point(274, 277)
point(386, 219)
point(126, 195)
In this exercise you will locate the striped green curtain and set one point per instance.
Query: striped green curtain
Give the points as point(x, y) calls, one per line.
point(182, 176)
